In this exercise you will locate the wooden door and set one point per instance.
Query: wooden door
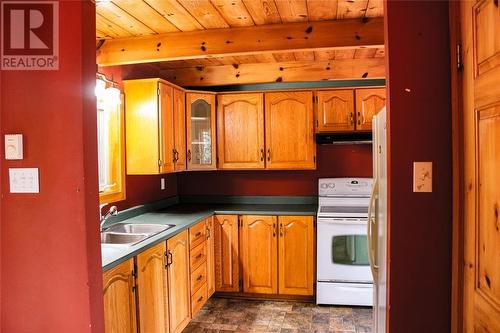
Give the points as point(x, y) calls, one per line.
point(200, 131)
point(259, 247)
point(240, 131)
point(368, 103)
point(152, 293)
point(142, 131)
point(210, 256)
point(119, 299)
point(480, 36)
point(178, 281)
point(335, 111)
point(179, 110)
point(227, 266)
point(296, 255)
point(289, 123)
point(166, 127)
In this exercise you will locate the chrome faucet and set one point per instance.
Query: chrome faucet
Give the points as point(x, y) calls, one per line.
point(113, 211)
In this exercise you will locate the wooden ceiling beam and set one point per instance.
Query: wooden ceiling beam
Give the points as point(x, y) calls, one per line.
point(277, 72)
point(243, 41)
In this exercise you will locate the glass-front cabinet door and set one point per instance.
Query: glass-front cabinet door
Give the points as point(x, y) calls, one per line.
point(200, 121)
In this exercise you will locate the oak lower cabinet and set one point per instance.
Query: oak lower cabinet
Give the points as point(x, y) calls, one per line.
point(152, 290)
point(289, 130)
point(209, 224)
point(119, 299)
point(227, 265)
point(296, 255)
point(198, 266)
point(259, 256)
point(178, 281)
point(200, 131)
point(368, 103)
point(240, 131)
point(276, 254)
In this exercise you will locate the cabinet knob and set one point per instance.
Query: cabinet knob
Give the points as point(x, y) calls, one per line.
point(262, 154)
point(269, 154)
point(189, 155)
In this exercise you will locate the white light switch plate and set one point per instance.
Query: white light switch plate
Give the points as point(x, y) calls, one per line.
point(13, 146)
point(24, 180)
point(422, 176)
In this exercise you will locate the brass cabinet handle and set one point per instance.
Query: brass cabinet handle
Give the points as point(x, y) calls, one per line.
point(359, 118)
point(174, 153)
point(207, 232)
point(198, 234)
point(269, 154)
point(274, 229)
point(189, 155)
point(261, 154)
point(352, 118)
point(199, 278)
point(281, 229)
point(168, 254)
point(199, 256)
point(200, 299)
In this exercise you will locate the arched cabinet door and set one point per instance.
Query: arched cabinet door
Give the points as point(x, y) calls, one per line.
point(227, 265)
point(289, 122)
point(119, 299)
point(296, 255)
point(335, 111)
point(368, 103)
point(240, 131)
point(259, 244)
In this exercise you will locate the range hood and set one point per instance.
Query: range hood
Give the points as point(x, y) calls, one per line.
point(354, 138)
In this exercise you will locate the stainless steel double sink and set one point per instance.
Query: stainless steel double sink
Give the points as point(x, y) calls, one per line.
point(131, 233)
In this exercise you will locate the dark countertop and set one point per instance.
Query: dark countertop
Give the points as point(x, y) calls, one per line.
point(185, 215)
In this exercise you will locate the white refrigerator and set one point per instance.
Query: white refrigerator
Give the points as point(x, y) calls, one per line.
point(377, 222)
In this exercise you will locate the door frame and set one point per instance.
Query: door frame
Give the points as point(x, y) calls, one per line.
point(457, 271)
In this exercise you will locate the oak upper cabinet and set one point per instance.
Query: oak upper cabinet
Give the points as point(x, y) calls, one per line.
point(296, 255)
point(368, 103)
point(179, 109)
point(209, 223)
point(259, 244)
point(240, 131)
point(227, 265)
point(335, 111)
point(200, 131)
point(178, 281)
point(149, 126)
point(152, 290)
point(119, 299)
point(289, 130)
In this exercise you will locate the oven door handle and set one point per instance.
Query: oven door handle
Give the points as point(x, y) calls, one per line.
point(372, 220)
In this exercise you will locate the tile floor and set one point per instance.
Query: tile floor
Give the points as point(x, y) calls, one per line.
point(231, 315)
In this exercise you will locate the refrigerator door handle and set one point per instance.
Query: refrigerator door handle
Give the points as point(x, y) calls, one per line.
point(373, 267)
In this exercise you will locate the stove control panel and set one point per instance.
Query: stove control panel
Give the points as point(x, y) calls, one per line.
point(345, 187)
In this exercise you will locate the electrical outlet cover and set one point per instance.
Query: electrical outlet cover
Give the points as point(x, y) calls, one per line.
point(422, 176)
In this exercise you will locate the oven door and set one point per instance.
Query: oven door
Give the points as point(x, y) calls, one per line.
point(343, 250)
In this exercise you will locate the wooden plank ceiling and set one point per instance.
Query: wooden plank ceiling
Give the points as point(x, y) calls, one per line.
point(138, 20)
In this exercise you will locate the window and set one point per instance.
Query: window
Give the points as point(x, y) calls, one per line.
point(111, 143)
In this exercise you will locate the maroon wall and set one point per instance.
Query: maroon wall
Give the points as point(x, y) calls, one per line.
point(418, 56)
point(50, 253)
point(140, 189)
point(333, 161)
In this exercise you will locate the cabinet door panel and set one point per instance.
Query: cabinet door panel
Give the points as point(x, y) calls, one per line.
point(166, 127)
point(296, 255)
point(141, 118)
point(259, 246)
point(335, 110)
point(180, 129)
point(119, 299)
point(227, 265)
point(240, 131)
point(200, 131)
point(210, 256)
point(368, 103)
point(152, 295)
point(289, 130)
point(179, 281)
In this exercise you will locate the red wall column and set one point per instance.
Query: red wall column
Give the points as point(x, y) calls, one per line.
point(418, 58)
point(51, 278)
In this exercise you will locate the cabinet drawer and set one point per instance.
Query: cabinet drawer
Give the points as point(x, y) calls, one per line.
point(197, 234)
point(198, 256)
point(198, 300)
point(198, 278)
